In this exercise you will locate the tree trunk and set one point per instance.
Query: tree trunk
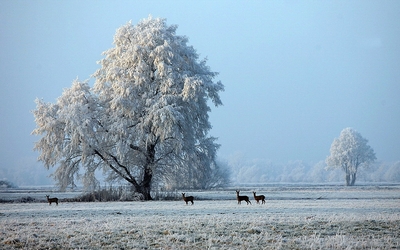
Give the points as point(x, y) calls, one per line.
point(350, 179)
point(146, 193)
point(347, 179)
point(353, 179)
point(145, 185)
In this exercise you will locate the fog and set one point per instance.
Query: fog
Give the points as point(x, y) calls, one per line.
point(295, 73)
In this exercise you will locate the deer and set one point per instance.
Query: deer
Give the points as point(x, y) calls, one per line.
point(188, 198)
point(258, 198)
point(242, 198)
point(50, 200)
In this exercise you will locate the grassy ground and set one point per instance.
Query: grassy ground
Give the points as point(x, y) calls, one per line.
point(365, 223)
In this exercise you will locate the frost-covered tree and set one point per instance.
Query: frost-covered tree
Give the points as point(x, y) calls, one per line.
point(144, 120)
point(350, 152)
point(393, 173)
point(213, 176)
point(317, 173)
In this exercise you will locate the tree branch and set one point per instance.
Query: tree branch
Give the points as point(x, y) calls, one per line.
point(137, 149)
point(131, 179)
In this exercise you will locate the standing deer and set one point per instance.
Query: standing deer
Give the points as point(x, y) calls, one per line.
point(242, 198)
point(50, 200)
point(258, 198)
point(187, 199)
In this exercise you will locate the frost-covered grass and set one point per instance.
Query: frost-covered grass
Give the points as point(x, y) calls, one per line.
point(344, 223)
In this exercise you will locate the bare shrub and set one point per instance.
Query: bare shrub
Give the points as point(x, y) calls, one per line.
point(120, 193)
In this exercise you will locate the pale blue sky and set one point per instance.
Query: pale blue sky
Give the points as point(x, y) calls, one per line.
point(295, 72)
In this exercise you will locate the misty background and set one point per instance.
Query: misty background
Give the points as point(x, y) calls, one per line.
point(295, 73)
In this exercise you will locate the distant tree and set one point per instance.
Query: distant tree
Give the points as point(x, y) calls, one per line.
point(393, 173)
point(350, 152)
point(213, 176)
point(144, 120)
point(219, 176)
point(7, 184)
point(297, 171)
point(317, 173)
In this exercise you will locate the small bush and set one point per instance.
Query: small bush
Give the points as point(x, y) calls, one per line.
point(26, 199)
point(120, 193)
point(166, 195)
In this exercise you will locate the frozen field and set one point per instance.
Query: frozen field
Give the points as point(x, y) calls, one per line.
point(317, 218)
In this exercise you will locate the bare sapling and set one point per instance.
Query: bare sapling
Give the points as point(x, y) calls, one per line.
point(259, 198)
point(188, 198)
point(241, 198)
point(50, 200)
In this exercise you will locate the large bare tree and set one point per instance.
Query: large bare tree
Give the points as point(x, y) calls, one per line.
point(145, 118)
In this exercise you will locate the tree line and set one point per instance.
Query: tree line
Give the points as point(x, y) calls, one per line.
point(263, 171)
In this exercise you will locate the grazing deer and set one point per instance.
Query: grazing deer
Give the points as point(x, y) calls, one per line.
point(187, 199)
point(50, 200)
point(258, 198)
point(242, 198)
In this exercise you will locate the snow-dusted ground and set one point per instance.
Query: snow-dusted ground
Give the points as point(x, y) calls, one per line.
point(315, 218)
